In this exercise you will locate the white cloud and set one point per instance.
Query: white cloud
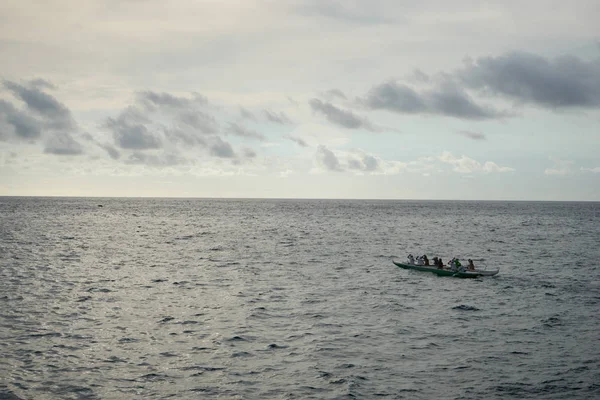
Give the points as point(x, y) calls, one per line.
point(560, 167)
point(467, 165)
point(593, 170)
point(490, 166)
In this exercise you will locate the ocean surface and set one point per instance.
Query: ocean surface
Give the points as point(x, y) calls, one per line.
point(106, 298)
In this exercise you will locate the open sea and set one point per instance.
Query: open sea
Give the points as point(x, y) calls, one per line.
point(112, 298)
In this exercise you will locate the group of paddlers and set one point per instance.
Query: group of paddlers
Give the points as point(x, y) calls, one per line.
point(453, 265)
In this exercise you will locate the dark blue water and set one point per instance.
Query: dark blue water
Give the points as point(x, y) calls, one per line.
point(296, 299)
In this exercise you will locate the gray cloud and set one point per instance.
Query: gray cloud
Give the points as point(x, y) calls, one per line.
point(247, 114)
point(298, 141)
point(446, 99)
point(337, 116)
point(453, 101)
point(327, 159)
point(159, 119)
point(394, 97)
point(165, 121)
point(370, 163)
point(238, 130)
point(20, 124)
point(472, 135)
point(130, 132)
point(61, 143)
point(419, 76)
point(112, 151)
point(248, 152)
point(220, 148)
point(354, 164)
point(186, 137)
point(153, 100)
point(278, 118)
point(559, 83)
point(199, 120)
point(366, 163)
point(334, 93)
point(55, 114)
point(43, 117)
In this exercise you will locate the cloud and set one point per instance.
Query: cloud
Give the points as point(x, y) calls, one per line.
point(139, 126)
point(419, 76)
point(153, 100)
point(451, 100)
point(395, 97)
point(334, 93)
point(340, 117)
point(447, 99)
point(247, 114)
point(467, 165)
point(367, 163)
point(248, 152)
point(61, 143)
point(180, 127)
point(472, 135)
point(298, 141)
point(130, 132)
point(561, 82)
point(182, 110)
point(278, 118)
point(152, 160)
point(238, 130)
point(490, 166)
point(188, 138)
point(220, 148)
point(111, 150)
point(560, 167)
point(44, 117)
point(198, 120)
point(14, 122)
point(592, 170)
point(55, 114)
point(327, 159)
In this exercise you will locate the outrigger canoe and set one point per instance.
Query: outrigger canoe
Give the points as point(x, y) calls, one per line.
point(447, 272)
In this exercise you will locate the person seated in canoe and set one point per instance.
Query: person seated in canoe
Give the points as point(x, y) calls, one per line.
point(439, 263)
point(425, 259)
point(471, 266)
point(411, 259)
point(420, 260)
point(456, 266)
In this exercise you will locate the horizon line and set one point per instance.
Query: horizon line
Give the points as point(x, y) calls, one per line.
point(293, 198)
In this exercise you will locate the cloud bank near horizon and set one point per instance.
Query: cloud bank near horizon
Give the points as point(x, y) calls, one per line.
point(161, 129)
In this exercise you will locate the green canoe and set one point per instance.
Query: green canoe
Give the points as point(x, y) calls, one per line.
point(440, 272)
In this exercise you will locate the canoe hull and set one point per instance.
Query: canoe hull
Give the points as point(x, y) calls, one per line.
point(440, 272)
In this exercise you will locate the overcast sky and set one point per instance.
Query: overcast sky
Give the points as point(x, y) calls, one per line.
point(378, 99)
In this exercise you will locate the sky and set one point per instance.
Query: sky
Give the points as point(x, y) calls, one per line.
point(377, 99)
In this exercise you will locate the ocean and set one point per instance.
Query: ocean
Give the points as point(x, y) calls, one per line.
point(114, 298)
